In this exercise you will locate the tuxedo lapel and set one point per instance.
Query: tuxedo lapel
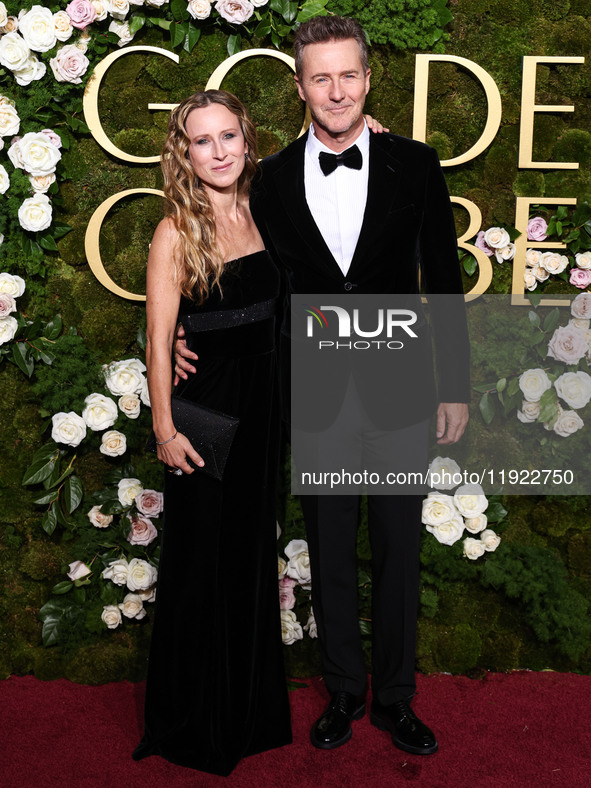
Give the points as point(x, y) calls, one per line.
point(382, 190)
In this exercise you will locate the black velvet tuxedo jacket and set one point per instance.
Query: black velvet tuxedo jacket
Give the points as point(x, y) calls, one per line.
point(407, 226)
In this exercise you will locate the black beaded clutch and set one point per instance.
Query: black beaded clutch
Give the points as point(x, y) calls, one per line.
point(210, 433)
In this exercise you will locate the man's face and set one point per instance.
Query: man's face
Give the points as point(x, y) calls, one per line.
point(334, 85)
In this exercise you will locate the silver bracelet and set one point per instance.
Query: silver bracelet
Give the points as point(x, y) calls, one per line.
point(161, 443)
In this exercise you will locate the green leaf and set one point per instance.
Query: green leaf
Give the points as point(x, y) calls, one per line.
point(30, 247)
point(548, 406)
point(178, 32)
point(159, 22)
point(178, 9)
point(136, 23)
point(501, 384)
point(551, 321)
point(46, 497)
point(365, 626)
point(483, 387)
point(275, 39)
point(191, 38)
point(54, 614)
point(495, 512)
point(80, 595)
point(487, 408)
point(534, 299)
point(43, 463)
point(49, 520)
point(60, 229)
point(470, 265)
point(73, 493)
point(32, 328)
point(234, 44)
point(558, 227)
point(513, 386)
point(53, 328)
point(310, 9)
point(262, 29)
point(534, 318)
point(22, 358)
point(562, 212)
point(48, 243)
point(63, 587)
point(112, 507)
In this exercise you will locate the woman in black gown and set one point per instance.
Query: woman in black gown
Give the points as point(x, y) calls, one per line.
point(216, 688)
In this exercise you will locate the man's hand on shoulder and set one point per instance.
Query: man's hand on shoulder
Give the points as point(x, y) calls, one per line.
point(182, 354)
point(452, 418)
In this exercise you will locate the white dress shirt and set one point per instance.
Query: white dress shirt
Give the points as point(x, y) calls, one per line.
point(337, 201)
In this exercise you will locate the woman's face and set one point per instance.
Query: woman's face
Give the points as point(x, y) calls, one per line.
point(217, 146)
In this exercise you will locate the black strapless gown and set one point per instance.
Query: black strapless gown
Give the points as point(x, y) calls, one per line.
point(216, 689)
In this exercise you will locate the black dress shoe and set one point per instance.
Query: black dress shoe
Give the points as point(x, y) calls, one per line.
point(334, 727)
point(408, 732)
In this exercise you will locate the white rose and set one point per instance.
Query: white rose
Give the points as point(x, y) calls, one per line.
point(473, 548)
point(83, 42)
point(70, 64)
point(580, 323)
point(567, 423)
point(127, 489)
point(113, 443)
point(156, 3)
point(235, 11)
point(118, 8)
point(310, 626)
point(11, 25)
point(32, 70)
point(111, 616)
point(98, 519)
point(38, 29)
point(130, 405)
point(41, 183)
point(568, 344)
point(117, 571)
point(447, 532)
point(35, 213)
point(476, 524)
point(497, 238)
point(258, 4)
point(506, 253)
point(581, 306)
point(39, 156)
point(529, 412)
point(438, 508)
point(100, 9)
point(533, 383)
point(14, 53)
point(553, 262)
point(4, 179)
point(68, 428)
point(145, 394)
point(540, 273)
point(9, 120)
point(490, 540)
point(140, 575)
point(281, 567)
point(529, 279)
point(532, 257)
point(3, 14)
point(291, 629)
point(62, 26)
point(122, 30)
point(441, 473)
point(199, 9)
point(148, 594)
point(125, 377)
point(78, 570)
point(7, 305)
point(100, 412)
point(298, 567)
point(132, 606)
point(470, 500)
point(574, 388)
point(12, 284)
point(583, 259)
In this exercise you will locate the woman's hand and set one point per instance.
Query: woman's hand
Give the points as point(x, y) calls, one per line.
point(374, 125)
point(174, 453)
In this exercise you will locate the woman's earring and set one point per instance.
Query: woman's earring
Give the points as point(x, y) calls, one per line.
point(246, 157)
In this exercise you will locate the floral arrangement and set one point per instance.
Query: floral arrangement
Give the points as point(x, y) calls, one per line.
point(496, 241)
point(293, 573)
point(447, 517)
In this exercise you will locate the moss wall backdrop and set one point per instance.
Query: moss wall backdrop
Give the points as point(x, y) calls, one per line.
point(528, 610)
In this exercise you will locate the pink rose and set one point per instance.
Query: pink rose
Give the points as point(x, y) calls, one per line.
point(286, 599)
point(143, 531)
point(568, 344)
point(236, 11)
point(287, 583)
point(580, 278)
point(480, 243)
point(7, 305)
point(81, 13)
point(69, 64)
point(149, 502)
point(581, 306)
point(537, 229)
point(54, 138)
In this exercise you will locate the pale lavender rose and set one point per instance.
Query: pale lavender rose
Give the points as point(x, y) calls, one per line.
point(481, 244)
point(81, 13)
point(568, 344)
point(149, 502)
point(235, 11)
point(78, 570)
point(287, 583)
point(581, 306)
point(7, 305)
point(537, 229)
point(583, 259)
point(53, 137)
point(287, 598)
point(143, 531)
point(69, 65)
point(580, 278)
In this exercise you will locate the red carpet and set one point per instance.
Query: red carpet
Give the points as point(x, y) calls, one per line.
point(522, 729)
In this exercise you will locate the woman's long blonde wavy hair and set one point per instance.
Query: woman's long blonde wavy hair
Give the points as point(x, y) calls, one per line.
point(199, 263)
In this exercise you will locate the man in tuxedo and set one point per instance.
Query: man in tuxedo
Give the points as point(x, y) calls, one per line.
point(345, 212)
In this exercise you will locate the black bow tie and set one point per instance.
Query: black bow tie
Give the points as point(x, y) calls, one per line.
point(350, 158)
